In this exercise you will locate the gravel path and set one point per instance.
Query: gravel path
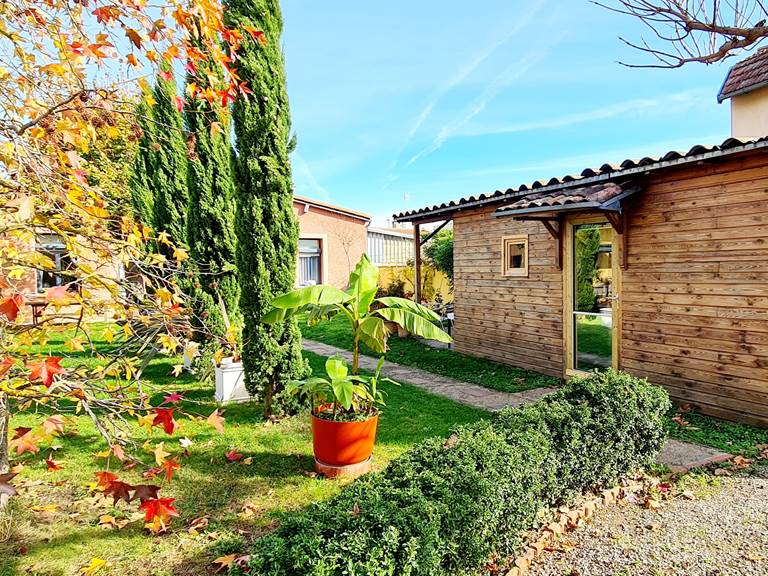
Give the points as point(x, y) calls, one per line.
point(722, 531)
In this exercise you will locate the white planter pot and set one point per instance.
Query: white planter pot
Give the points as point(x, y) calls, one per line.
point(187, 360)
point(230, 382)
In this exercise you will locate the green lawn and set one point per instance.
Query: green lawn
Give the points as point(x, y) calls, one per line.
point(275, 481)
point(729, 437)
point(411, 352)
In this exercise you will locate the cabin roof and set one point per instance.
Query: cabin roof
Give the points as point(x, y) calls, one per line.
point(587, 177)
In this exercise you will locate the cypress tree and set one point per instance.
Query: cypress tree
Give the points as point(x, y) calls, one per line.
point(168, 164)
point(211, 214)
point(267, 230)
point(142, 199)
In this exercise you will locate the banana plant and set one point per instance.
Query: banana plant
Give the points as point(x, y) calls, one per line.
point(367, 315)
point(346, 393)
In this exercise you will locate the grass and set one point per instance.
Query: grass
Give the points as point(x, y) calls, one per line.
point(411, 352)
point(239, 500)
point(731, 437)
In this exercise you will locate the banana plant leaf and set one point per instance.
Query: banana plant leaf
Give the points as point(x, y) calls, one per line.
point(373, 333)
point(405, 304)
point(299, 300)
point(363, 284)
point(415, 324)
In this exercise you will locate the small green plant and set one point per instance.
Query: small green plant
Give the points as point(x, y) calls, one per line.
point(342, 396)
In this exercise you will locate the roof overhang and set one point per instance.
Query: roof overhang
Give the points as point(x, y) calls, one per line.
point(606, 173)
point(599, 198)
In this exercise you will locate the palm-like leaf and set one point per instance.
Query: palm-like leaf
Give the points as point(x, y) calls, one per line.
point(363, 284)
point(301, 299)
point(373, 332)
point(414, 323)
point(410, 305)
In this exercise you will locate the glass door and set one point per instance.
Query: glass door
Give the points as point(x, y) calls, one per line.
point(593, 301)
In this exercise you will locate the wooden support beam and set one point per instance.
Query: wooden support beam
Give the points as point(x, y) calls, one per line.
point(429, 236)
point(555, 227)
point(623, 237)
point(615, 219)
point(417, 263)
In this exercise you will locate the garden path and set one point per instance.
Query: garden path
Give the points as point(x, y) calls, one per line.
point(677, 455)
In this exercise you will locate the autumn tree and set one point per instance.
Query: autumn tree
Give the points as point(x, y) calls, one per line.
point(60, 77)
point(167, 176)
point(267, 230)
point(685, 31)
point(211, 211)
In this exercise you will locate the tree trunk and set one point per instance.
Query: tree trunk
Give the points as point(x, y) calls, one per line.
point(5, 421)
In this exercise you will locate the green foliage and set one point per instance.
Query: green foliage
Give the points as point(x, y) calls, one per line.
point(211, 213)
point(350, 396)
point(142, 197)
point(439, 252)
point(366, 313)
point(266, 227)
point(587, 242)
point(395, 288)
point(447, 507)
point(730, 437)
point(167, 175)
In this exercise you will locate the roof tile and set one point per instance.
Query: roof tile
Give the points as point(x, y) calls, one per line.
point(749, 74)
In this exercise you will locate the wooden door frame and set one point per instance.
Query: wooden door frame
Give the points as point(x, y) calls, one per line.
point(568, 328)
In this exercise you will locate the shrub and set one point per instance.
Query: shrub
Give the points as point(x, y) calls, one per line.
point(448, 506)
point(439, 253)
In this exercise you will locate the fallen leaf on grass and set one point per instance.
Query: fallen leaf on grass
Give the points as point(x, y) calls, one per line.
point(233, 456)
point(45, 508)
point(722, 472)
point(224, 561)
point(740, 462)
point(93, 567)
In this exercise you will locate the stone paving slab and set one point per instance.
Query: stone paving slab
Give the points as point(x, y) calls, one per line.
point(679, 456)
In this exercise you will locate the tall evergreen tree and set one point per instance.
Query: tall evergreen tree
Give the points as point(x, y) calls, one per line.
point(142, 197)
point(267, 230)
point(211, 214)
point(168, 163)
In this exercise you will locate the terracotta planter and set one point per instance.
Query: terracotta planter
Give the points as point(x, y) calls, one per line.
point(343, 443)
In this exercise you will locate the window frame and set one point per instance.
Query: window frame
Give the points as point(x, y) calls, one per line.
point(506, 242)
point(320, 255)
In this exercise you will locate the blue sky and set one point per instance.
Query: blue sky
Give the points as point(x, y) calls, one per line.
point(397, 105)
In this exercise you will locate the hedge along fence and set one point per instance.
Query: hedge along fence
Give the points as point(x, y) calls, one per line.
point(448, 506)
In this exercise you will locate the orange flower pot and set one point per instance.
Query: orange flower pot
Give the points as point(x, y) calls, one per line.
point(343, 443)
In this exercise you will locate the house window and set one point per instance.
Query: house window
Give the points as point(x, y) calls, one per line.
point(310, 251)
point(514, 255)
point(52, 247)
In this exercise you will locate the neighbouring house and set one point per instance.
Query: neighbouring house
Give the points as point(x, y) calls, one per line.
point(657, 266)
point(331, 241)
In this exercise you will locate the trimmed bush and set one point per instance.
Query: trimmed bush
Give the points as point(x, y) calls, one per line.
point(448, 506)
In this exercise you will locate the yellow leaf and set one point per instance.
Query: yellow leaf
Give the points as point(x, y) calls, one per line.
point(109, 334)
point(146, 421)
point(160, 453)
point(45, 508)
point(180, 254)
point(75, 344)
point(95, 565)
point(177, 369)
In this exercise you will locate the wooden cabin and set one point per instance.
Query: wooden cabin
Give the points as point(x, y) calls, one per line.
point(658, 267)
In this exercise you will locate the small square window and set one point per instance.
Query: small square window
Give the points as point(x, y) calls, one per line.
point(514, 255)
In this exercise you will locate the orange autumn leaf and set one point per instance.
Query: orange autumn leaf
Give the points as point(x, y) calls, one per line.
point(216, 421)
point(104, 479)
point(170, 466)
point(11, 306)
point(24, 440)
point(45, 370)
point(54, 424)
point(57, 295)
point(52, 465)
point(134, 37)
point(5, 365)
point(161, 508)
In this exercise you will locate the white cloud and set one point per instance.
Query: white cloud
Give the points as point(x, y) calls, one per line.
point(666, 103)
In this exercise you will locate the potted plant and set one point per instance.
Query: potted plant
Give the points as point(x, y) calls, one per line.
point(228, 367)
point(345, 412)
point(367, 316)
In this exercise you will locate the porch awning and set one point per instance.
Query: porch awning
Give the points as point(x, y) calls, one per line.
point(601, 197)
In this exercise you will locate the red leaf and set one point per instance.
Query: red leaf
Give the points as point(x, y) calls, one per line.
point(57, 294)
point(164, 416)
point(173, 398)
point(119, 491)
point(5, 365)
point(45, 370)
point(146, 492)
point(179, 102)
point(151, 472)
point(117, 450)
point(158, 508)
point(169, 466)
point(105, 479)
point(166, 75)
point(10, 306)
point(233, 456)
point(52, 465)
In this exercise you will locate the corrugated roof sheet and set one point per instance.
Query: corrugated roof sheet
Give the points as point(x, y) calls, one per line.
point(588, 176)
point(749, 74)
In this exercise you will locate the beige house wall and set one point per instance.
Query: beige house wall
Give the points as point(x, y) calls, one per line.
point(749, 114)
point(342, 239)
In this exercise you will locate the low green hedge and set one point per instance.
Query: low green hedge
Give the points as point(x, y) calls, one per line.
point(447, 506)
